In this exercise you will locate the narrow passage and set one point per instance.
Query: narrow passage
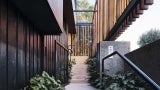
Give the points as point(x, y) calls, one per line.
point(80, 76)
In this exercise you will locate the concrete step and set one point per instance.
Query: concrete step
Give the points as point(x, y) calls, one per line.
point(80, 76)
point(79, 86)
point(79, 81)
point(79, 70)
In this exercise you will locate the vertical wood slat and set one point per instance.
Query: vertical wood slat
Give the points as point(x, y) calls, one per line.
point(16, 43)
point(82, 40)
point(22, 49)
point(103, 22)
point(3, 45)
point(51, 55)
point(95, 25)
point(47, 53)
point(12, 59)
point(114, 10)
point(82, 36)
point(35, 54)
point(84, 43)
point(48, 50)
point(98, 22)
point(31, 51)
point(38, 54)
point(21, 53)
point(50, 69)
point(45, 61)
point(27, 52)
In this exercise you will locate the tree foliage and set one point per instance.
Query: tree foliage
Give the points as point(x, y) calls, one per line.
point(84, 16)
point(148, 37)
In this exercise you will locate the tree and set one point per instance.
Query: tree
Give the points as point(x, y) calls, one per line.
point(84, 16)
point(148, 37)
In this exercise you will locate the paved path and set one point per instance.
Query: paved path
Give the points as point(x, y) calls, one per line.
point(80, 75)
point(79, 86)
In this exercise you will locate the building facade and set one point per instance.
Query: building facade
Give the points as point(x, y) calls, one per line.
point(112, 17)
point(33, 38)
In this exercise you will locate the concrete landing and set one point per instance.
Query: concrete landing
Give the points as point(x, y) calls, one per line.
point(80, 76)
point(79, 86)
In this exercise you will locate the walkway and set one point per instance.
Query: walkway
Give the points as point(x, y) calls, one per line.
point(80, 75)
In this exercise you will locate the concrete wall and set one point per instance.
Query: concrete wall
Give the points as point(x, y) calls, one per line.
point(114, 64)
point(148, 59)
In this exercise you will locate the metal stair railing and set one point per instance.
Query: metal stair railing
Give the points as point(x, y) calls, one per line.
point(133, 66)
point(61, 62)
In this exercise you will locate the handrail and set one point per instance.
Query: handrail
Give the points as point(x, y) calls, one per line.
point(61, 50)
point(133, 66)
point(61, 45)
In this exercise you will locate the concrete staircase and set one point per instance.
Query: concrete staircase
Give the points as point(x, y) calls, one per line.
point(79, 70)
point(80, 76)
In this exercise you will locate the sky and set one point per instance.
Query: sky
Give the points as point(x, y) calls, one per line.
point(150, 19)
point(92, 2)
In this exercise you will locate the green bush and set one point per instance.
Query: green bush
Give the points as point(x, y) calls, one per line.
point(148, 37)
point(119, 81)
point(44, 82)
point(70, 64)
point(92, 71)
point(125, 81)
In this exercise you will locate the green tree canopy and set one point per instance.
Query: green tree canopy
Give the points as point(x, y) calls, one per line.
point(149, 37)
point(84, 16)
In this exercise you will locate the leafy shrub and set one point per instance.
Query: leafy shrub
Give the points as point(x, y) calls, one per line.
point(93, 79)
point(119, 81)
point(125, 81)
point(70, 64)
point(44, 82)
point(149, 37)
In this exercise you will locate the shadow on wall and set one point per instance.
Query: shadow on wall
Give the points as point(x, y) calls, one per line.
point(147, 58)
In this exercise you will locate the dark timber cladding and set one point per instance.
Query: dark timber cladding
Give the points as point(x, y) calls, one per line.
point(25, 49)
point(20, 56)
